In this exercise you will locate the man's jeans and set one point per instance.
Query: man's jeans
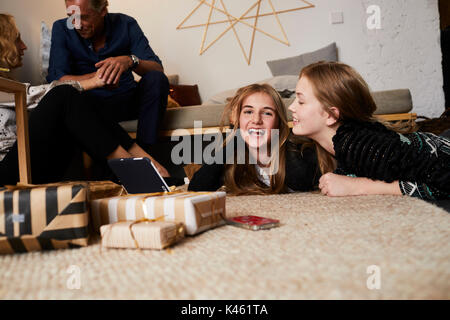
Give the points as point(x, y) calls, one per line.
point(147, 103)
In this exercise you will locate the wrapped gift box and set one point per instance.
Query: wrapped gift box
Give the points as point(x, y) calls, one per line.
point(142, 235)
point(104, 189)
point(198, 211)
point(44, 217)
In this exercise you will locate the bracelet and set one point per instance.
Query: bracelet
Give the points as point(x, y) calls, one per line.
point(77, 85)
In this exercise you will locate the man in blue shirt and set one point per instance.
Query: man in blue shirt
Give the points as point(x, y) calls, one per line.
point(111, 46)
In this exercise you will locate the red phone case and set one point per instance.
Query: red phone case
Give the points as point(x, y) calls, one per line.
point(254, 222)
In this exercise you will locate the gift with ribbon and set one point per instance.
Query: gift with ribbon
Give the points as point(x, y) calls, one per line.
point(103, 189)
point(141, 234)
point(50, 216)
point(198, 211)
point(34, 218)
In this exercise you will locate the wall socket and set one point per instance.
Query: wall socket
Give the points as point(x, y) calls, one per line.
point(337, 17)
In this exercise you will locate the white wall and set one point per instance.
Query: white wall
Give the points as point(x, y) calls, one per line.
point(405, 53)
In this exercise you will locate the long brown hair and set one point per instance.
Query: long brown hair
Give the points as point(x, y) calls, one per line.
point(9, 56)
point(338, 85)
point(240, 179)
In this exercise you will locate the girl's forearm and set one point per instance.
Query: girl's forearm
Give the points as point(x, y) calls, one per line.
point(369, 186)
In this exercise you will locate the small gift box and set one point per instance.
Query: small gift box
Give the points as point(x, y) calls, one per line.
point(104, 189)
point(198, 211)
point(144, 234)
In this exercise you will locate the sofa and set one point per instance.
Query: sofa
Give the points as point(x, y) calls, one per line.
point(392, 105)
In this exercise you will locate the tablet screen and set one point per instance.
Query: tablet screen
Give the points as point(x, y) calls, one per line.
point(138, 175)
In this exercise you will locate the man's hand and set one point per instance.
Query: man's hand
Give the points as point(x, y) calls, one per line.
point(335, 185)
point(111, 69)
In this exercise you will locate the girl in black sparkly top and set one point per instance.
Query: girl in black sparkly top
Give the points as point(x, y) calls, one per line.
point(334, 107)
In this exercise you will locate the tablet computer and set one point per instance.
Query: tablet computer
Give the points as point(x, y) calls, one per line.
point(138, 175)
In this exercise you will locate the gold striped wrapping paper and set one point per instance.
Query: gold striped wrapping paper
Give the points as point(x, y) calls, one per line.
point(198, 211)
point(44, 217)
point(148, 234)
point(104, 189)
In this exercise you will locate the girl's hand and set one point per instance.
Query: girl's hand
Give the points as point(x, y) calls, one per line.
point(111, 69)
point(93, 82)
point(335, 185)
point(97, 82)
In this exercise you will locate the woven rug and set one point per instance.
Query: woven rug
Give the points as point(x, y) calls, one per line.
point(326, 248)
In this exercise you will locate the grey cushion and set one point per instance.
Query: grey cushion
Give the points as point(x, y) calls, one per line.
point(388, 102)
point(393, 101)
point(293, 65)
point(279, 83)
point(173, 79)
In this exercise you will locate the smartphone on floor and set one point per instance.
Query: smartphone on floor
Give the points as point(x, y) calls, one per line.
point(254, 223)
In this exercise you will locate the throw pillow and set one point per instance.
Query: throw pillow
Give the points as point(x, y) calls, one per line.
point(173, 78)
point(185, 95)
point(280, 83)
point(46, 41)
point(293, 65)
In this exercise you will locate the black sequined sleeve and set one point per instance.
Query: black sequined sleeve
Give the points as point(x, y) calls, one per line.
point(371, 150)
point(421, 191)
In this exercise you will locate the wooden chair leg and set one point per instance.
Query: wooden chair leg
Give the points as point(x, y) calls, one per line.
point(19, 91)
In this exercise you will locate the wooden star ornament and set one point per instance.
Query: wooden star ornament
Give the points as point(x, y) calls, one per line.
point(232, 20)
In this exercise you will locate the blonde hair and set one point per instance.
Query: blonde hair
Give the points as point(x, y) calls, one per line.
point(240, 179)
point(338, 85)
point(9, 56)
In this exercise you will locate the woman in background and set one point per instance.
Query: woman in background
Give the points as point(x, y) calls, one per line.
point(62, 122)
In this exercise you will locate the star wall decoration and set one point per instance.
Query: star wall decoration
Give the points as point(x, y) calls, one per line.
point(231, 21)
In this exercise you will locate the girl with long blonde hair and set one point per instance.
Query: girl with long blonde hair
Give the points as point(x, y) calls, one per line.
point(268, 163)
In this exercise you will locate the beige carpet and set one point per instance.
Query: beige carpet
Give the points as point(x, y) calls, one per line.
point(321, 251)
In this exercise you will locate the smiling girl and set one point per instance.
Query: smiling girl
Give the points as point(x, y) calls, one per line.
point(334, 108)
point(271, 163)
